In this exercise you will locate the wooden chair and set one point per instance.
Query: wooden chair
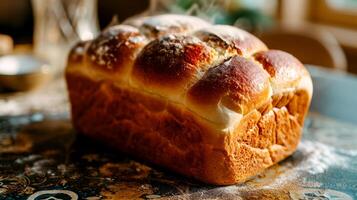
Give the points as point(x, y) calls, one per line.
point(309, 44)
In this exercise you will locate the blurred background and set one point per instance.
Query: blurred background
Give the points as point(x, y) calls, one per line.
point(36, 36)
point(320, 32)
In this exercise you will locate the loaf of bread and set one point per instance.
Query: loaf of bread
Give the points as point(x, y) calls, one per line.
point(207, 101)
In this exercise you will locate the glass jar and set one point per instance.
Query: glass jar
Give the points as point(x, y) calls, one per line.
point(59, 24)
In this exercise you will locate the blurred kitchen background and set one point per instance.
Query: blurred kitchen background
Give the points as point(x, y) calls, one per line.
point(319, 32)
point(36, 36)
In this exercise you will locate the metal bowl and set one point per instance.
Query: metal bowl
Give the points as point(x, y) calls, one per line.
point(22, 72)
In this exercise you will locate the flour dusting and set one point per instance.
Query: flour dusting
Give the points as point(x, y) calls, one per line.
point(287, 177)
point(311, 158)
point(319, 157)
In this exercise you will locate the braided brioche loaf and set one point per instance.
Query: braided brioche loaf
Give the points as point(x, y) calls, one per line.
point(207, 101)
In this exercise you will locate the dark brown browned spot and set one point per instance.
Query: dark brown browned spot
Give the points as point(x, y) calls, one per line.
point(171, 60)
point(237, 82)
point(114, 47)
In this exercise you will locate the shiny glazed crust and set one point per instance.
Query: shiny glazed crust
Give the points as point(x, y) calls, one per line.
point(207, 101)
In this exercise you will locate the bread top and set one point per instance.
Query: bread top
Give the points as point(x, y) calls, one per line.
point(218, 72)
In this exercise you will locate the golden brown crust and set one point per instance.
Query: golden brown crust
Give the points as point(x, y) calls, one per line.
point(284, 69)
point(210, 102)
point(171, 62)
point(115, 48)
point(238, 83)
point(229, 37)
point(160, 25)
